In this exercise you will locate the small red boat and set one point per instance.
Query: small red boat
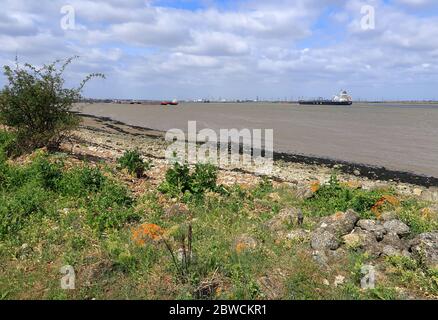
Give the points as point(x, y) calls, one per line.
point(169, 103)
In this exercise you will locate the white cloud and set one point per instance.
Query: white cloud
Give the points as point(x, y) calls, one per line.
point(260, 47)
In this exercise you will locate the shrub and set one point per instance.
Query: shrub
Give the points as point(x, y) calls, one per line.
point(132, 161)
point(36, 105)
point(179, 180)
point(203, 178)
point(111, 218)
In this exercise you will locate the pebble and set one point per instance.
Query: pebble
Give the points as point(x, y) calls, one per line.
point(339, 280)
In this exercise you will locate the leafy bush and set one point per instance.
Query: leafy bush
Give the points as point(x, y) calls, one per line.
point(36, 105)
point(132, 161)
point(179, 180)
point(41, 171)
point(203, 178)
point(334, 197)
point(30, 190)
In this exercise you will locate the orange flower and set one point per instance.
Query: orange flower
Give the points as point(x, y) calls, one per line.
point(145, 232)
point(240, 247)
point(315, 186)
point(382, 201)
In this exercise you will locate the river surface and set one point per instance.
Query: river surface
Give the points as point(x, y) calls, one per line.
point(397, 136)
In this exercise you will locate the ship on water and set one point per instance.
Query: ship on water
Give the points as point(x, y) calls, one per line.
point(170, 103)
point(343, 99)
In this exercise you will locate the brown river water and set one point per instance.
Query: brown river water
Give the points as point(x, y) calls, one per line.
point(401, 137)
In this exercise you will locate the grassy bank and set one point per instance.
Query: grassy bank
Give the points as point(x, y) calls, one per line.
point(188, 238)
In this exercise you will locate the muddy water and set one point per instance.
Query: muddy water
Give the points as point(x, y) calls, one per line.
point(397, 136)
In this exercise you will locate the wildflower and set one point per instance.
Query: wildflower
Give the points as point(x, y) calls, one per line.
point(315, 186)
point(382, 201)
point(147, 232)
point(240, 247)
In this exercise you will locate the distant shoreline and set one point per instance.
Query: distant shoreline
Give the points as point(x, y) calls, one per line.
point(157, 102)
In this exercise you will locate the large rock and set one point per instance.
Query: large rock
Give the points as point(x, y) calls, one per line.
point(397, 227)
point(304, 192)
point(340, 223)
point(373, 226)
point(425, 247)
point(363, 239)
point(324, 240)
point(297, 235)
point(393, 245)
point(329, 230)
point(285, 218)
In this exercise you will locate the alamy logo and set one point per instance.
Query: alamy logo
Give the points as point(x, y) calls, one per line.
point(231, 147)
point(368, 21)
point(69, 278)
point(68, 21)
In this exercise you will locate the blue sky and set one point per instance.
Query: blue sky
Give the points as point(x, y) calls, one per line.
point(194, 49)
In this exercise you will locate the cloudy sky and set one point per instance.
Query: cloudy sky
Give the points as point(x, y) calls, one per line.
point(232, 48)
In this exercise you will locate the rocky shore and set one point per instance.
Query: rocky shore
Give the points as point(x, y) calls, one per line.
point(107, 139)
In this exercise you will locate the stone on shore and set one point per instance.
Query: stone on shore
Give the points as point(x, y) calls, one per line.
point(365, 240)
point(340, 223)
point(425, 248)
point(324, 240)
point(397, 227)
point(286, 217)
point(373, 226)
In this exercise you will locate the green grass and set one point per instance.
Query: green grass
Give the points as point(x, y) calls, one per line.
point(334, 197)
point(54, 212)
point(35, 189)
point(410, 213)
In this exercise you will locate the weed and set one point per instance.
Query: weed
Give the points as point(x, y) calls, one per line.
point(413, 274)
point(132, 161)
point(179, 181)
